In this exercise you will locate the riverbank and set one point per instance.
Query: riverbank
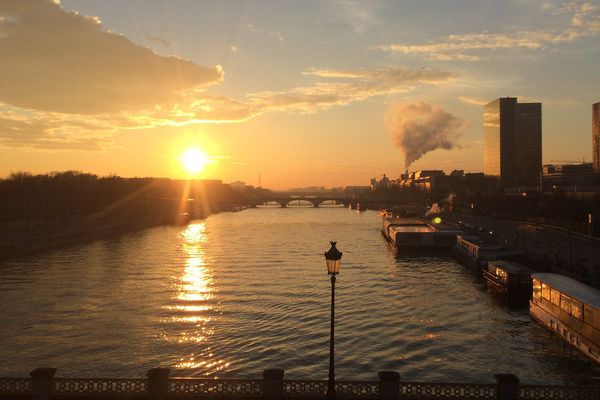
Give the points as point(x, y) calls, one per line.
point(544, 248)
point(26, 238)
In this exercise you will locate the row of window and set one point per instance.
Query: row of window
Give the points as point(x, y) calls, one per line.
point(566, 303)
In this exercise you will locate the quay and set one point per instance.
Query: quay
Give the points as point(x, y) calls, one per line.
point(158, 385)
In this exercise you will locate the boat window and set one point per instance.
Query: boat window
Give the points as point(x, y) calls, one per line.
point(537, 289)
point(577, 309)
point(555, 297)
point(546, 292)
point(572, 306)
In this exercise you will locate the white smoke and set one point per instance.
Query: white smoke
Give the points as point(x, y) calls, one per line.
point(418, 128)
point(435, 209)
point(445, 205)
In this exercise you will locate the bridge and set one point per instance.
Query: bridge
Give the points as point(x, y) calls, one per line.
point(316, 201)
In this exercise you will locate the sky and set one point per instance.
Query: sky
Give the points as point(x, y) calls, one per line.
point(327, 93)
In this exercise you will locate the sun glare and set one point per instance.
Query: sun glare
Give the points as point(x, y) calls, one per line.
point(194, 161)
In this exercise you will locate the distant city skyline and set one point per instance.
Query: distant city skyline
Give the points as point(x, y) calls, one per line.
point(303, 93)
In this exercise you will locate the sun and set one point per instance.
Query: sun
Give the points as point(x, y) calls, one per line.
point(194, 160)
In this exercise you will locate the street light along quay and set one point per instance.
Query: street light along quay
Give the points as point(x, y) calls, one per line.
point(333, 258)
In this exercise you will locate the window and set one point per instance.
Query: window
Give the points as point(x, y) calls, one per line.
point(546, 292)
point(555, 297)
point(537, 289)
point(565, 303)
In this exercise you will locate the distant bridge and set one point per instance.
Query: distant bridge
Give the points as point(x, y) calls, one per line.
point(284, 200)
point(316, 201)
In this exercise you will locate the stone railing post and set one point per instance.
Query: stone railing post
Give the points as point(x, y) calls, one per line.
point(507, 387)
point(41, 382)
point(389, 385)
point(158, 383)
point(273, 384)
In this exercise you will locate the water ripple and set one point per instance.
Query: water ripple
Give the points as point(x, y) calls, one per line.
point(238, 293)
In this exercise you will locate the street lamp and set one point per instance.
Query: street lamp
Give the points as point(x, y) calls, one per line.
point(333, 258)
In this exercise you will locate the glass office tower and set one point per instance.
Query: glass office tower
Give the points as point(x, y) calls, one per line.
point(512, 143)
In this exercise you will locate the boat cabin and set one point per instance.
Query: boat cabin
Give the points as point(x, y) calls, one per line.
point(570, 309)
point(508, 277)
point(477, 253)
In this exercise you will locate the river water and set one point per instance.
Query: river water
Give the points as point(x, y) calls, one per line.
point(237, 293)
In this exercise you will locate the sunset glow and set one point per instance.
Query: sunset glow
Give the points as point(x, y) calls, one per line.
point(194, 161)
point(408, 78)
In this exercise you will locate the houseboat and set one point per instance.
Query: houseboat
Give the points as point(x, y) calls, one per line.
point(476, 253)
point(417, 234)
point(508, 277)
point(570, 309)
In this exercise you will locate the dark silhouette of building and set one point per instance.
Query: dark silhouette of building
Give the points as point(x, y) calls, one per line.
point(596, 136)
point(513, 142)
point(575, 176)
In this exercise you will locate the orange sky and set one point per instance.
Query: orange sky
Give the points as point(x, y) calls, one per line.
point(318, 93)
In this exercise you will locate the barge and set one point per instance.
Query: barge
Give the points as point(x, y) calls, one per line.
point(570, 309)
point(417, 234)
point(477, 253)
point(510, 278)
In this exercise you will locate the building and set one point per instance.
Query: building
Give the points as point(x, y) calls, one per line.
point(238, 185)
point(596, 136)
point(383, 183)
point(512, 134)
point(561, 177)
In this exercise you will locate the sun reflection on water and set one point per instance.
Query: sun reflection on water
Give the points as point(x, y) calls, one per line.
point(193, 308)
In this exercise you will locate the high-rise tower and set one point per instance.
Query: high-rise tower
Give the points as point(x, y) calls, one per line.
point(512, 142)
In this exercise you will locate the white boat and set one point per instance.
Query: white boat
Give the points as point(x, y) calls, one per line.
point(570, 309)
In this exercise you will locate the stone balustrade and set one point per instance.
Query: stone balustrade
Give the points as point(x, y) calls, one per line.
point(43, 385)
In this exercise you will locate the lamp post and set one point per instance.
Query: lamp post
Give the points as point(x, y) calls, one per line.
point(333, 258)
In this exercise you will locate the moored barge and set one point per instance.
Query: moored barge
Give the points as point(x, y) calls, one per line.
point(417, 234)
point(476, 253)
point(570, 309)
point(509, 278)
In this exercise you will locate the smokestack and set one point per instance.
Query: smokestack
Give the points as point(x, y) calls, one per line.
point(418, 128)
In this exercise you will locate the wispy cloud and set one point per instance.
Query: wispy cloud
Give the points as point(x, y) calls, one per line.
point(69, 84)
point(278, 36)
point(584, 21)
point(345, 86)
point(388, 75)
point(158, 40)
point(360, 16)
point(473, 101)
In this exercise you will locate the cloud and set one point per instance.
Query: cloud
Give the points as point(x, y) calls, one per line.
point(48, 51)
point(388, 75)
point(473, 101)
point(44, 131)
point(66, 83)
point(158, 40)
point(418, 128)
point(355, 85)
point(360, 16)
point(276, 35)
point(584, 22)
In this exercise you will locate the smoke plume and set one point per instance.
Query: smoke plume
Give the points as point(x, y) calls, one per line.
point(418, 128)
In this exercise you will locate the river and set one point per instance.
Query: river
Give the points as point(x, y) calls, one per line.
point(240, 292)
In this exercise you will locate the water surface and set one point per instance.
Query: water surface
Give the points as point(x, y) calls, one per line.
point(241, 292)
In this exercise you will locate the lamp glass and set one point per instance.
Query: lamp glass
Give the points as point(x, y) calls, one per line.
point(333, 266)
